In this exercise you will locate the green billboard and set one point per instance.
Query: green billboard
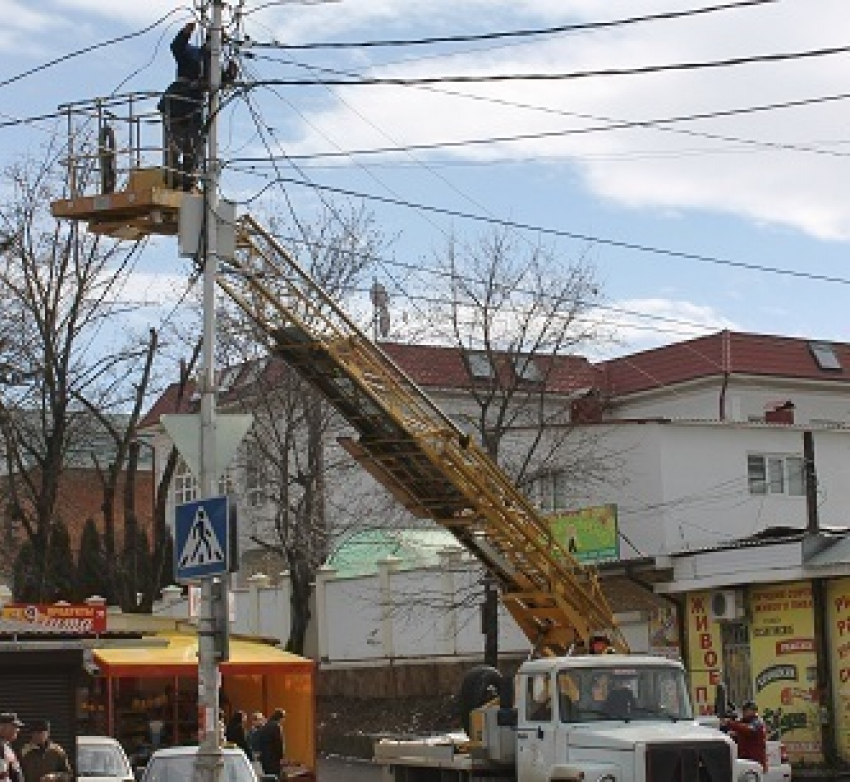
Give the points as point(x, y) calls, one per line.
point(589, 534)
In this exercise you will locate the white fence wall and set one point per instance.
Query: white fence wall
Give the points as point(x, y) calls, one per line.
point(393, 614)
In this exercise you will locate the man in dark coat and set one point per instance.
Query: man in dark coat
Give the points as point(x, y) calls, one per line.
point(182, 108)
point(9, 727)
point(41, 755)
point(270, 743)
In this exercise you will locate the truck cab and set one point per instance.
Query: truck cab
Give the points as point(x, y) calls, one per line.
point(616, 718)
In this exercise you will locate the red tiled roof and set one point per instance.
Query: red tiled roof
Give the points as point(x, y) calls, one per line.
point(433, 366)
point(711, 356)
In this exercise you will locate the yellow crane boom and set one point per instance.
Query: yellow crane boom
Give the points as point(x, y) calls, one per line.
point(411, 447)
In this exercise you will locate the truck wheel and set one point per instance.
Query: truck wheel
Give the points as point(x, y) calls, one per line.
point(479, 686)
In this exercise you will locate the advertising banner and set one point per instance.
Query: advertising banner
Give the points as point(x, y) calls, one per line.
point(664, 632)
point(589, 534)
point(704, 654)
point(784, 666)
point(838, 632)
point(71, 618)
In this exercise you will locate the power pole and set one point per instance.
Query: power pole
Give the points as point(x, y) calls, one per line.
point(210, 761)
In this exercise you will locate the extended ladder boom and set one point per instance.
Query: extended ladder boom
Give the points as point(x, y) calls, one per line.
point(433, 468)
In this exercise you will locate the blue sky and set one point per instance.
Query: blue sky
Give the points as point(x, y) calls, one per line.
point(766, 188)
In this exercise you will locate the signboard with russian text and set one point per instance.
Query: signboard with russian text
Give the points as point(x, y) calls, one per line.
point(71, 618)
point(704, 652)
point(784, 668)
point(838, 632)
point(589, 534)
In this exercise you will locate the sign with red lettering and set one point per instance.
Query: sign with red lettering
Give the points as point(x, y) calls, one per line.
point(838, 625)
point(704, 653)
point(71, 618)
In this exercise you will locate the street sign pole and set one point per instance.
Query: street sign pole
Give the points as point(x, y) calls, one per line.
point(208, 768)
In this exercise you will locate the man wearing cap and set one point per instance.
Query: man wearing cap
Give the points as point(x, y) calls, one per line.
point(9, 727)
point(43, 756)
point(750, 734)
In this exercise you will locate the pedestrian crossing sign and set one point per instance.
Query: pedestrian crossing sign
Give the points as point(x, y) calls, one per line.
point(200, 539)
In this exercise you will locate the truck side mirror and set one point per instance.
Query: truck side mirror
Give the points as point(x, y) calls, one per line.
point(506, 718)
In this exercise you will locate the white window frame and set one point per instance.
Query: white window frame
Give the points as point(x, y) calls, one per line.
point(256, 476)
point(185, 484)
point(779, 474)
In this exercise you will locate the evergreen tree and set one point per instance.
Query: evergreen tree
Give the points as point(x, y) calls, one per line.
point(25, 586)
point(91, 565)
point(59, 569)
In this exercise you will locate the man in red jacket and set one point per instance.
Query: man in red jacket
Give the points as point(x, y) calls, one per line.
point(750, 734)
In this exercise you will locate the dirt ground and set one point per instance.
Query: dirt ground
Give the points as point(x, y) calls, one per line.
point(348, 727)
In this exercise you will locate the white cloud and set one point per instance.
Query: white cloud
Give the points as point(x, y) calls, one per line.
point(768, 184)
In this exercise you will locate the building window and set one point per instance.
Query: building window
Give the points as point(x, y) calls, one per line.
point(256, 477)
point(549, 490)
point(185, 485)
point(480, 365)
point(526, 369)
point(768, 474)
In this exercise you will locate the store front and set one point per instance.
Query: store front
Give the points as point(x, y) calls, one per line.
point(149, 696)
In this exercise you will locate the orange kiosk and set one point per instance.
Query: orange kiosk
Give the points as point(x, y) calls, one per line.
point(149, 695)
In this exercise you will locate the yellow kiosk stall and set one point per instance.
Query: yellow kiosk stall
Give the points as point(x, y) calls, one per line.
point(148, 696)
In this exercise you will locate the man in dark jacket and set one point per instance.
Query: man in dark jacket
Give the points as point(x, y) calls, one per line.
point(270, 743)
point(43, 756)
point(182, 108)
point(9, 727)
point(750, 734)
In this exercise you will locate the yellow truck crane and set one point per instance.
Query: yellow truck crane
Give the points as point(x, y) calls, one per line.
point(596, 717)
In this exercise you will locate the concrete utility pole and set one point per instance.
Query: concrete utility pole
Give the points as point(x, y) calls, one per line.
point(209, 754)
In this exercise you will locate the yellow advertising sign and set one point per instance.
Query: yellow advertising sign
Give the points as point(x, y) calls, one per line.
point(838, 631)
point(705, 655)
point(589, 534)
point(784, 669)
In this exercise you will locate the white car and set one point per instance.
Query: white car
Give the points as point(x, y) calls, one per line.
point(176, 764)
point(102, 759)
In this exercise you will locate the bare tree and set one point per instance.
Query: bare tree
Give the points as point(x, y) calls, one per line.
point(60, 289)
point(517, 315)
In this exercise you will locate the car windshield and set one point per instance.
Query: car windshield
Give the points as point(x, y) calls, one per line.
point(179, 768)
point(101, 760)
point(625, 693)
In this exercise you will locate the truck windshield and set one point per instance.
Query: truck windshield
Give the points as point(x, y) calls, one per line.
point(623, 693)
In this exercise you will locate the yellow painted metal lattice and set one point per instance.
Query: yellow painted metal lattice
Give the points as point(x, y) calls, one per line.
point(413, 449)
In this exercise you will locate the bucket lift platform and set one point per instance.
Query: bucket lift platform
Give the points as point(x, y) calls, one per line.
point(117, 178)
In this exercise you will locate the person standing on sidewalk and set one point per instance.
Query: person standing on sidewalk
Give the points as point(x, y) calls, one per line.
point(41, 755)
point(9, 727)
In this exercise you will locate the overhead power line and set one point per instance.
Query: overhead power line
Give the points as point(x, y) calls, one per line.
point(524, 33)
point(611, 126)
point(87, 50)
point(727, 62)
point(549, 231)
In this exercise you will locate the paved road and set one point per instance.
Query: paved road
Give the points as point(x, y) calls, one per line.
point(338, 770)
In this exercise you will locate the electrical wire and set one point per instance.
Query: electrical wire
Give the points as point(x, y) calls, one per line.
point(563, 233)
point(87, 50)
point(531, 32)
point(642, 70)
point(611, 124)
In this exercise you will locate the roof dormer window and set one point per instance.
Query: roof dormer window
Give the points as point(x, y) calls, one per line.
point(824, 355)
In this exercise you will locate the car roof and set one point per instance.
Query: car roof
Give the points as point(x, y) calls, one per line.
point(97, 740)
point(170, 752)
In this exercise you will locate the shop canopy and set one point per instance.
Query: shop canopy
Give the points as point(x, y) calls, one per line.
point(180, 658)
